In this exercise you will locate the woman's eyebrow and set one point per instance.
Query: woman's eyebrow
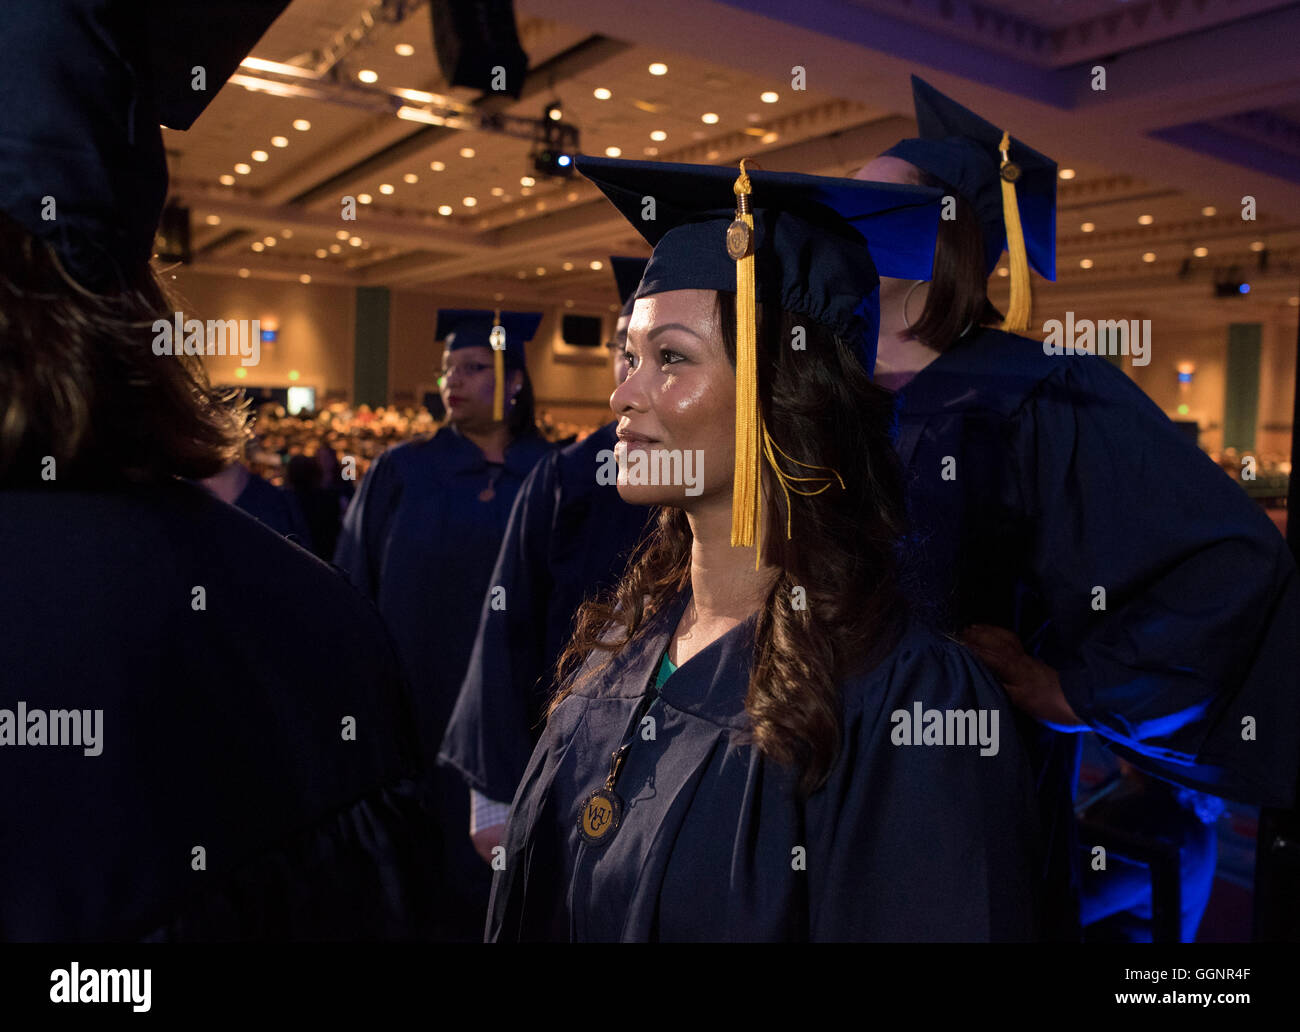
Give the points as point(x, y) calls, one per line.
point(665, 327)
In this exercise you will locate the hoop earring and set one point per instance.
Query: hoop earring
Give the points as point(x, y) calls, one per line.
point(906, 298)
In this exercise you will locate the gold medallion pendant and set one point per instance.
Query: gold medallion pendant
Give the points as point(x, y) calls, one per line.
point(599, 817)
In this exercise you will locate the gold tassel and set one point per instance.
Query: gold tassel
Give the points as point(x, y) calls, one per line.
point(746, 501)
point(1018, 308)
point(784, 479)
point(498, 342)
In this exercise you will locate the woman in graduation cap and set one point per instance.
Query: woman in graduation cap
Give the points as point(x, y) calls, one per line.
point(569, 537)
point(739, 753)
point(174, 768)
point(1100, 563)
point(421, 538)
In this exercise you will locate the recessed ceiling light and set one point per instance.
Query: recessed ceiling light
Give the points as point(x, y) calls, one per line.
point(651, 152)
point(658, 136)
point(469, 202)
point(436, 166)
point(770, 137)
point(1209, 210)
point(496, 191)
point(1201, 252)
point(1066, 173)
point(286, 234)
point(709, 118)
point(354, 241)
point(269, 241)
point(366, 75)
point(257, 245)
point(1146, 220)
point(364, 198)
point(568, 304)
point(753, 116)
point(1085, 263)
point(342, 234)
point(244, 274)
point(572, 195)
point(525, 191)
point(214, 220)
point(385, 188)
point(301, 124)
point(279, 141)
point(1257, 245)
point(227, 180)
point(1088, 227)
point(521, 274)
point(304, 279)
point(321, 252)
point(1003, 272)
point(597, 266)
point(527, 181)
point(444, 209)
point(600, 93)
point(410, 177)
point(658, 68)
point(336, 248)
point(467, 152)
point(498, 297)
point(243, 169)
point(1149, 256)
point(404, 49)
point(613, 152)
point(712, 155)
point(260, 155)
point(541, 270)
point(769, 97)
point(567, 266)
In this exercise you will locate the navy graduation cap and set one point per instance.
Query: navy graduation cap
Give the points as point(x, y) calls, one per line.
point(505, 333)
point(84, 87)
point(811, 245)
point(1011, 186)
point(627, 276)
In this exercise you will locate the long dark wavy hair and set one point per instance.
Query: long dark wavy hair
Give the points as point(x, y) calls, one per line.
point(79, 381)
point(821, 408)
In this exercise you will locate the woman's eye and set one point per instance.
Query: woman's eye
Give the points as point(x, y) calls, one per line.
point(670, 357)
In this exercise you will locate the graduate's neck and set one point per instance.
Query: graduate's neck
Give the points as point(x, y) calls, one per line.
point(492, 439)
point(899, 355)
point(229, 484)
point(725, 588)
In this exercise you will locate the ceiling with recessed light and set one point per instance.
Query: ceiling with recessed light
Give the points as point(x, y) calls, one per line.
point(1201, 109)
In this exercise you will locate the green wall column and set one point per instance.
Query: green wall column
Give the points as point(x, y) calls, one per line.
point(370, 368)
point(1241, 386)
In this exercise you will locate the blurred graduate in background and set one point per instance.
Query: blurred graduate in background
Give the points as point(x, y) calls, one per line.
point(569, 537)
point(421, 538)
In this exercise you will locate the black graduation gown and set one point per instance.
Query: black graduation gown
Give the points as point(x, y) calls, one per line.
point(275, 507)
point(421, 542)
point(1067, 477)
point(569, 537)
point(222, 728)
point(903, 842)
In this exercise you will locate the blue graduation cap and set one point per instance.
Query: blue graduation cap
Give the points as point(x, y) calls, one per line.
point(627, 275)
point(1011, 186)
point(806, 244)
point(505, 333)
point(84, 87)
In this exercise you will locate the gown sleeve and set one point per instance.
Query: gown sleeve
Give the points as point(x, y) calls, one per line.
point(1191, 668)
point(925, 842)
point(489, 737)
point(359, 552)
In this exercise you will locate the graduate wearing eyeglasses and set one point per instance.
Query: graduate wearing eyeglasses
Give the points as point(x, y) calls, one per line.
point(732, 755)
point(421, 539)
point(1099, 562)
